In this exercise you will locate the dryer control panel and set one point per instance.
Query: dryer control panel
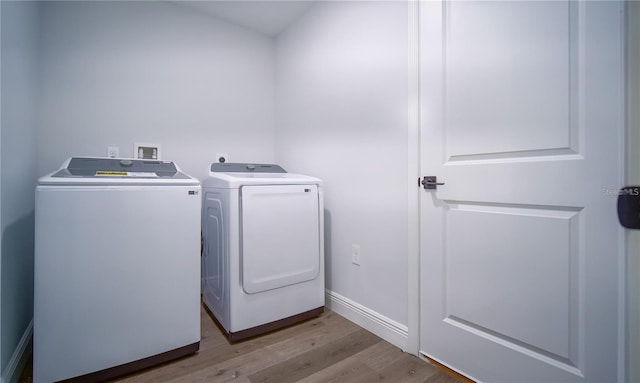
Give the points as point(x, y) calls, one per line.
point(246, 168)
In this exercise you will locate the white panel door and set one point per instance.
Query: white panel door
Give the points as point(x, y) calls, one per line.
point(522, 106)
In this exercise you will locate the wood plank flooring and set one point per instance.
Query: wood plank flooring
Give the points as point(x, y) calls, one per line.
point(325, 349)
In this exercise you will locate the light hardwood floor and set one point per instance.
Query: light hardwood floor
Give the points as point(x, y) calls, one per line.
point(325, 349)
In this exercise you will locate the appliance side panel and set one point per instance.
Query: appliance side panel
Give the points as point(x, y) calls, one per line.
point(215, 258)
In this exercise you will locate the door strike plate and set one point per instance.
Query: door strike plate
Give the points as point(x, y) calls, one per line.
point(629, 207)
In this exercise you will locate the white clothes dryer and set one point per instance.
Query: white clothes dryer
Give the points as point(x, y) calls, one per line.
point(263, 247)
point(117, 268)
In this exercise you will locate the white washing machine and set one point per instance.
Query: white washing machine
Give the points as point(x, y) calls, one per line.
point(117, 268)
point(263, 247)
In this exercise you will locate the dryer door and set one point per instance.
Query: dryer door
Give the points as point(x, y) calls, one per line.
point(280, 238)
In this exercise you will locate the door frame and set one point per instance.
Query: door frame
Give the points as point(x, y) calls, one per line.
point(633, 178)
point(413, 172)
point(629, 311)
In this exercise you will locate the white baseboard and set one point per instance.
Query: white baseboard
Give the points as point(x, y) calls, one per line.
point(387, 329)
point(19, 358)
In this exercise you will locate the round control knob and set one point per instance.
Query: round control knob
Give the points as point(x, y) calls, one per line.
point(126, 162)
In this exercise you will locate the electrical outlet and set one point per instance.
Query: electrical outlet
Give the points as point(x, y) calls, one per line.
point(355, 254)
point(113, 152)
point(222, 157)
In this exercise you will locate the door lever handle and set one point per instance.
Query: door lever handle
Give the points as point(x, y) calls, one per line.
point(429, 182)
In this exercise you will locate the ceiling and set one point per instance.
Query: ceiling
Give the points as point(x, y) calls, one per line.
point(269, 17)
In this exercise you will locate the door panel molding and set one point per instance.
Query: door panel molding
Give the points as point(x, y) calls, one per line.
point(518, 346)
point(536, 249)
point(513, 98)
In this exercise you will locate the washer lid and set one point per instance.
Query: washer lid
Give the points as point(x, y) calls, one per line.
point(96, 170)
point(235, 175)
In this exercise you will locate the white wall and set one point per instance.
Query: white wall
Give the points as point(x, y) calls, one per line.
point(342, 116)
point(17, 178)
point(115, 73)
